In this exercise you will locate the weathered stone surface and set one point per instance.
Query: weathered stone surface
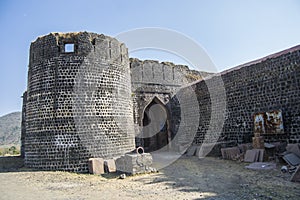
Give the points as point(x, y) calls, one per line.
point(251, 156)
point(78, 104)
point(157, 82)
point(292, 159)
point(244, 147)
point(85, 102)
point(261, 166)
point(262, 156)
point(135, 163)
point(96, 166)
point(232, 153)
point(213, 149)
point(293, 148)
point(110, 165)
point(254, 155)
point(270, 83)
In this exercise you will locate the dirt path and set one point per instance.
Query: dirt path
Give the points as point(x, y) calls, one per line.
point(187, 178)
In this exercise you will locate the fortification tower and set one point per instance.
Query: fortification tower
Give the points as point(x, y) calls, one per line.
point(78, 102)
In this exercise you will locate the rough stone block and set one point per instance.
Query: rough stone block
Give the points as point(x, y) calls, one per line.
point(261, 155)
point(96, 166)
point(110, 165)
point(255, 155)
point(133, 163)
point(251, 155)
point(293, 148)
point(245, 147)
point(232, 153)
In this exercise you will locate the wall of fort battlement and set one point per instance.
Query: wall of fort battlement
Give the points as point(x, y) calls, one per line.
point(267, 84)
point(151, 79)
point(78, 103)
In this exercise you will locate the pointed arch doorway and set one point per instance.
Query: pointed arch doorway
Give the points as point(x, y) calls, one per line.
point(156, 127)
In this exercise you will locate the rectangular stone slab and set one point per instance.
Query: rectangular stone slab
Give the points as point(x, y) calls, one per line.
point(261, 155)
point(293, 148)
point(110, 165)
point(292, 159)
point(251, 155)
point(261, 165)
point(96, 166)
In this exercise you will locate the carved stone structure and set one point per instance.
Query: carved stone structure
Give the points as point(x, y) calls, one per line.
point(87, 99)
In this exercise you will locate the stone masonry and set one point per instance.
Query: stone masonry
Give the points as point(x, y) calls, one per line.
point(157, 81)
point(78, 103)
point(270, 83)
point(86, 99)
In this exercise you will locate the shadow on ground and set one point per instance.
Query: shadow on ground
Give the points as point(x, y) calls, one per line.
point(214, 178)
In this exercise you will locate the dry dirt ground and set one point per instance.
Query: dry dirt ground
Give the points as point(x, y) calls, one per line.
point(187, 178)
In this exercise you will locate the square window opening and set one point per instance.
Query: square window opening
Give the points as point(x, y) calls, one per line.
point(69, 48)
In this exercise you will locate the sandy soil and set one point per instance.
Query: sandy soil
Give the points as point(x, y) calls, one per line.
point(187, 178)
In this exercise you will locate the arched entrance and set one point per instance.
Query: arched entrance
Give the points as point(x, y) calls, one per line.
point(156, 134)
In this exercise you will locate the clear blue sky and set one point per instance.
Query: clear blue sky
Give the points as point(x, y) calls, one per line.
point(232, 32)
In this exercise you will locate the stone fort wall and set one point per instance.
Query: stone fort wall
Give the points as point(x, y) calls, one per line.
point(270, 83)
point(150, 78)
point(78, 102)
point(161, 80)
point(85, 101)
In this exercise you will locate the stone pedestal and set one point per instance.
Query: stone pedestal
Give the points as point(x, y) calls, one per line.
point(133, 163)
